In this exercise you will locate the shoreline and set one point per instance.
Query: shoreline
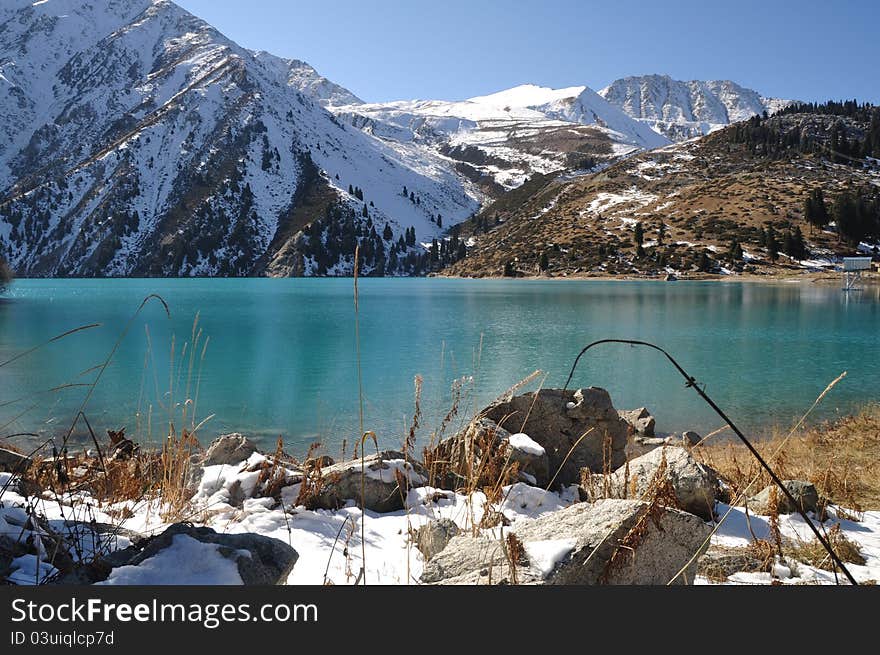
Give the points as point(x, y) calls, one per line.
point(870, 278)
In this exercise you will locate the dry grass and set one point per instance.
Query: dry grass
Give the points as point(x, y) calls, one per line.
point(813, 552)
point(839, 457)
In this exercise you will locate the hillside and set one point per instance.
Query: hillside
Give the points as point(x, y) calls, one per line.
point(733, 201)
point(135, 139)
point(500, 140)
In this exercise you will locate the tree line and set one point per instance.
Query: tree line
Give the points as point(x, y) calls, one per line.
point(844, 143)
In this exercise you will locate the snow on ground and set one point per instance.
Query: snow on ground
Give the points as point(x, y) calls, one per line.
point(193, 563)
point(737, 528)
point(333, 545)
point(605, 200)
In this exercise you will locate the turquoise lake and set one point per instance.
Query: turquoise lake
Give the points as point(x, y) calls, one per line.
point(281, 358)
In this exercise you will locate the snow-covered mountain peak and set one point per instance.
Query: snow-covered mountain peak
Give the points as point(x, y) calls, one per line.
point(137, 139)
point(527, 96)
point(685, 109)
point(303, 77)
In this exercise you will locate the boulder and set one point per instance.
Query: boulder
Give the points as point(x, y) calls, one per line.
point(695, 485)
point(13, 462)
point(432, 537)
point(229, 449)
point(611, 541)
point(805, 494)
point(640, 420)
point(577, 429)
point(378, 478)
point(258, 560)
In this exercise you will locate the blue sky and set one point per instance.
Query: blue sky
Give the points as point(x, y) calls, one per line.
point(455, 49)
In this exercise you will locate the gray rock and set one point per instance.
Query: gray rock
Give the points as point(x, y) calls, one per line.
point(805, 494)
point(695, 485)
point(376, 479)
point(640, 420)
point(636, 446)
point(609, 542)
point(13, 462)
point(432, 537)
point(260, 560)
point(691, 438)
point(229, 449)
point(572, 426)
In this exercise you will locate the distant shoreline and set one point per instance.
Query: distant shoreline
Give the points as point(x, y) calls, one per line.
point(816, 277)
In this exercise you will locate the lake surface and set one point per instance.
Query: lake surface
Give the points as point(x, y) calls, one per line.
point(280, 354)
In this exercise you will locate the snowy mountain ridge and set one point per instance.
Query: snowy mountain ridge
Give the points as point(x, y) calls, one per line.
point(683, 110)
point(138, 140)
point(510, 135)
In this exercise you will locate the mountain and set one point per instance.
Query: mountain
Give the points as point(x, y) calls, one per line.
point(683, 110)
point(707, 205)
point(306, 79)
point(500, 140)
point(135, 139)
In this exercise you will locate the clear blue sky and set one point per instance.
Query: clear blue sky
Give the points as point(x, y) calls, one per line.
point(455, 49)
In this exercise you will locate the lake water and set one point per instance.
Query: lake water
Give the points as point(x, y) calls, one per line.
point(281, 359)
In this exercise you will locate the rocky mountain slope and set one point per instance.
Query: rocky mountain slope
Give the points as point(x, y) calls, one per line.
point(732, 201)
point(500, 140)
point(683, 110)
point(135, 139)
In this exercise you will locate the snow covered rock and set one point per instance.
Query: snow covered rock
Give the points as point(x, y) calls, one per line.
point(609, 542)
point(694, 485)
point(13, 462)
point(804, 492)
point(571, 426)
point(185, 554)
point(531, 457)
point(640, 419)
point(383, 480)
point(433, 536)
point(229, 449)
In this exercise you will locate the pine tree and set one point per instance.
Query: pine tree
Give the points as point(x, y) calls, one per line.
point(772, 244)
point(704, 264)
point(846, 215)
point(387, 234)
point(735, 253)
point(638, 234)
point(5, 274)
point(544, 262)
